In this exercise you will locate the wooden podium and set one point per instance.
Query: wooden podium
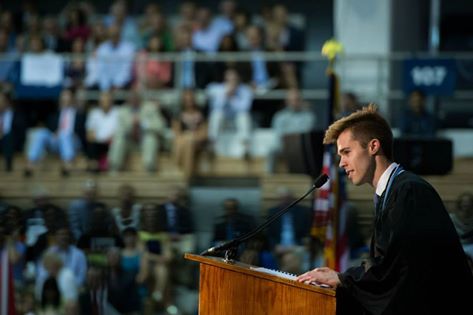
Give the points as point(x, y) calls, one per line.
point(236, 288)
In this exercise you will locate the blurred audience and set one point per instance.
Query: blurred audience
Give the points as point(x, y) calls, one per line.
point(230, 104)
point(155, 244)
point(114, 64)
point(72, 257)
point(190, 134)
point(416, 121)
point(128, 213)
point(61, 135)
point(56, 287)
point(101, 125)
point(150, 72)
point(138, 124)
point(296, 118)
point(80, 211)
point(233, 223)
point(349, 104)
point(122, 289)
point(12, 130)
point(288, 235)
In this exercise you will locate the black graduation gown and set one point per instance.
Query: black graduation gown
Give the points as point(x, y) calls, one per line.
point(416, 263)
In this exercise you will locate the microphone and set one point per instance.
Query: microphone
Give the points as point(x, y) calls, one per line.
point(318, 182)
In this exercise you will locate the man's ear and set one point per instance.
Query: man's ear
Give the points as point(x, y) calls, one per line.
point(374, 147)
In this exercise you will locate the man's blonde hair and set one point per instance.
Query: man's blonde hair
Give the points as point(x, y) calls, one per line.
point(365, 124)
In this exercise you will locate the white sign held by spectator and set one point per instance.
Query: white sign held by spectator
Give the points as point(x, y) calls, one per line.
point(44, 69)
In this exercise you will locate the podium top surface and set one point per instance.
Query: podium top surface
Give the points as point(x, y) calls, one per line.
point(250, 270)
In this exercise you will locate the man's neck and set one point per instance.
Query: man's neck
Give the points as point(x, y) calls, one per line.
point(382, 163)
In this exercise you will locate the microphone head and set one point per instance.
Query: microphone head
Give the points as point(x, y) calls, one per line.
point(321, 180)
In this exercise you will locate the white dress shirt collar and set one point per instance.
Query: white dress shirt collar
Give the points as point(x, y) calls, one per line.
point(383, 180)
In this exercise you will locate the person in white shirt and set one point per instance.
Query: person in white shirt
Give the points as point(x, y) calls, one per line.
point(53, 267)
point(295, 118)
point(100, 125)
point(230, 102)
point(206, 38)
point(114, 63)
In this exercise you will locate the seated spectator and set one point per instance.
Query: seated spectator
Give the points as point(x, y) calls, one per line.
point(62, 135)
point(224, 22)
point(189, 73)
point(12, 130)
point(229, 44)
point(264, 76)
point(52, 38)
point(190, 134)
point(138, 124)
point(179, 224)
point(131, 254)
point(102, 235)
point(233, 223)
point(52, 218)
point(150, 72)
point(288, 235)
point(416, 121)
point(262, 73)
point(101, 125)
point(56, 288)
point(42, 217)
point(72, 257)
point(349, 104)
point(291, 38)
point(185, 16)
point(241, 21)
point(81, 210)
point(14, 233)
point(114, 62)
point(230, 103)
point(132, 260)
point(462, 218)
point(155, 244)
point(122, 289)
point(76, 25)
point(7, 65)
point(93, 298)
point(128, 29)
point(296, 117)
point(76, 68)
point(128, 213)
point(157, 27)
point(206, 37)
point(258, 253)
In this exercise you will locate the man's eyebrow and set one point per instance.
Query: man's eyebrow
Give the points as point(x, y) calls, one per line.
point(343, 150)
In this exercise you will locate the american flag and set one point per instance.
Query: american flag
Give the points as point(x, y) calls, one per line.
point(329, 220)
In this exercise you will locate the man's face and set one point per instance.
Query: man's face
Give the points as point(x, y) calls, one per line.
point(62, 238)
point(66, 98)
point(358, 162)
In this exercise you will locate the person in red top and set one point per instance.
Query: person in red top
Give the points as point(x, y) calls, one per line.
point(152, 73)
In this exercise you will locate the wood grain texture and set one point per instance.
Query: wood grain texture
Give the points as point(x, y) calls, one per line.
point(237, 289)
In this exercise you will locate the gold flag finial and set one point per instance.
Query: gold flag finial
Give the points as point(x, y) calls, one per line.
point(331, 48)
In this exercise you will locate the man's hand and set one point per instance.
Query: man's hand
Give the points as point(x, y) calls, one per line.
point(322, 275)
